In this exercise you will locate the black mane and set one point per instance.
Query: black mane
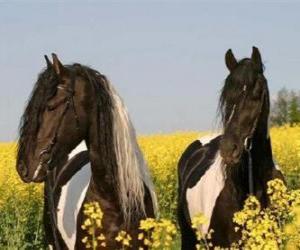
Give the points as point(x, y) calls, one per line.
point(43, 90)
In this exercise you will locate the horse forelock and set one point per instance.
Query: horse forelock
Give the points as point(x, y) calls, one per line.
point(43, 90)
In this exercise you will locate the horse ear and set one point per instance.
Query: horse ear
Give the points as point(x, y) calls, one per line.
point(57, 65)
point(256, 58)
point(49, 64)
point(230, 60)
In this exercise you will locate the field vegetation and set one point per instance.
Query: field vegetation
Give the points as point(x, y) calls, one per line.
point(21, 205)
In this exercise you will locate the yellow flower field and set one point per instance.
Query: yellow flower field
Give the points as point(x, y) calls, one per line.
point(286, 147)
point(10, 183)
point(21, 204)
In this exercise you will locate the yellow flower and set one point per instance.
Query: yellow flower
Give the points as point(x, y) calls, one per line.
point(140, 236)
point(157, 234)
point(124, 239)
point(94, 215)
point(264, 228)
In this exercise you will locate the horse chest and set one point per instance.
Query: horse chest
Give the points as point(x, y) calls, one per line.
point(201, 198)
point(70, 202)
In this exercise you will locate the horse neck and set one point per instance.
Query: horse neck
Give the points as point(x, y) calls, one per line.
point(263, 164)
point(101, 149)
point(116, 174)
point(261, 152)
point(262, 156)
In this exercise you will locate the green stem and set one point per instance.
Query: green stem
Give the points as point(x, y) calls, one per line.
point(94, 245)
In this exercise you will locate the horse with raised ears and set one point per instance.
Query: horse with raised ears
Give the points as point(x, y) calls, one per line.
point(71, 104)
point(217, 174)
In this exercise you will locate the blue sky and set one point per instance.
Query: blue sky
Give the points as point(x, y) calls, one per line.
point(165, 58)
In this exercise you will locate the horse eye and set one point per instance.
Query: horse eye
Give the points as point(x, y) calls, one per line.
point(51, 107)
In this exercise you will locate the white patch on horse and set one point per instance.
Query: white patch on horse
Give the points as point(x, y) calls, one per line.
point(202, 197)
point(207, 138)
point(71, 199)
point(70, 202)
point(80, 147)
point(37, 171)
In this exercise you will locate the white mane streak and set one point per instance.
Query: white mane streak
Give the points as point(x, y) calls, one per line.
point(132, 168)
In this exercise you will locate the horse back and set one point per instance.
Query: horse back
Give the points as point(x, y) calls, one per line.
point(196, 160)
point(200, 178)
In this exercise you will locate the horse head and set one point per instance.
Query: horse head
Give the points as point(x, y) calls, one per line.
point(53, 121)
point(244, 104)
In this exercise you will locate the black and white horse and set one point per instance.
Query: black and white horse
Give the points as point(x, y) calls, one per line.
point(217, 174)
point(67, 188)
point(71, 104)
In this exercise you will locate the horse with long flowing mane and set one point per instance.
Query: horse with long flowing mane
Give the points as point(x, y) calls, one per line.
point(217, 174)
point(71, 104)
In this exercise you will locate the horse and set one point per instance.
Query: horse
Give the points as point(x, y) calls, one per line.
point(217, 173)
point(69, 105)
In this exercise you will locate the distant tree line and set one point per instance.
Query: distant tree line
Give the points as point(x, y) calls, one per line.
point(285, 108)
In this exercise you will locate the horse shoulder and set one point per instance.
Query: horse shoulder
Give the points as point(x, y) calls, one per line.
point(202, 197)
point(221, 221)
point(73, 183)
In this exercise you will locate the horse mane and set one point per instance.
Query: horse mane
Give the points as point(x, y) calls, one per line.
point(132, 171)
point(115, 133)
point(132, 168)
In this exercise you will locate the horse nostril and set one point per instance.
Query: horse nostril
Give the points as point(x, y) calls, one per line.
point(230, 150)
point(23, 170)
